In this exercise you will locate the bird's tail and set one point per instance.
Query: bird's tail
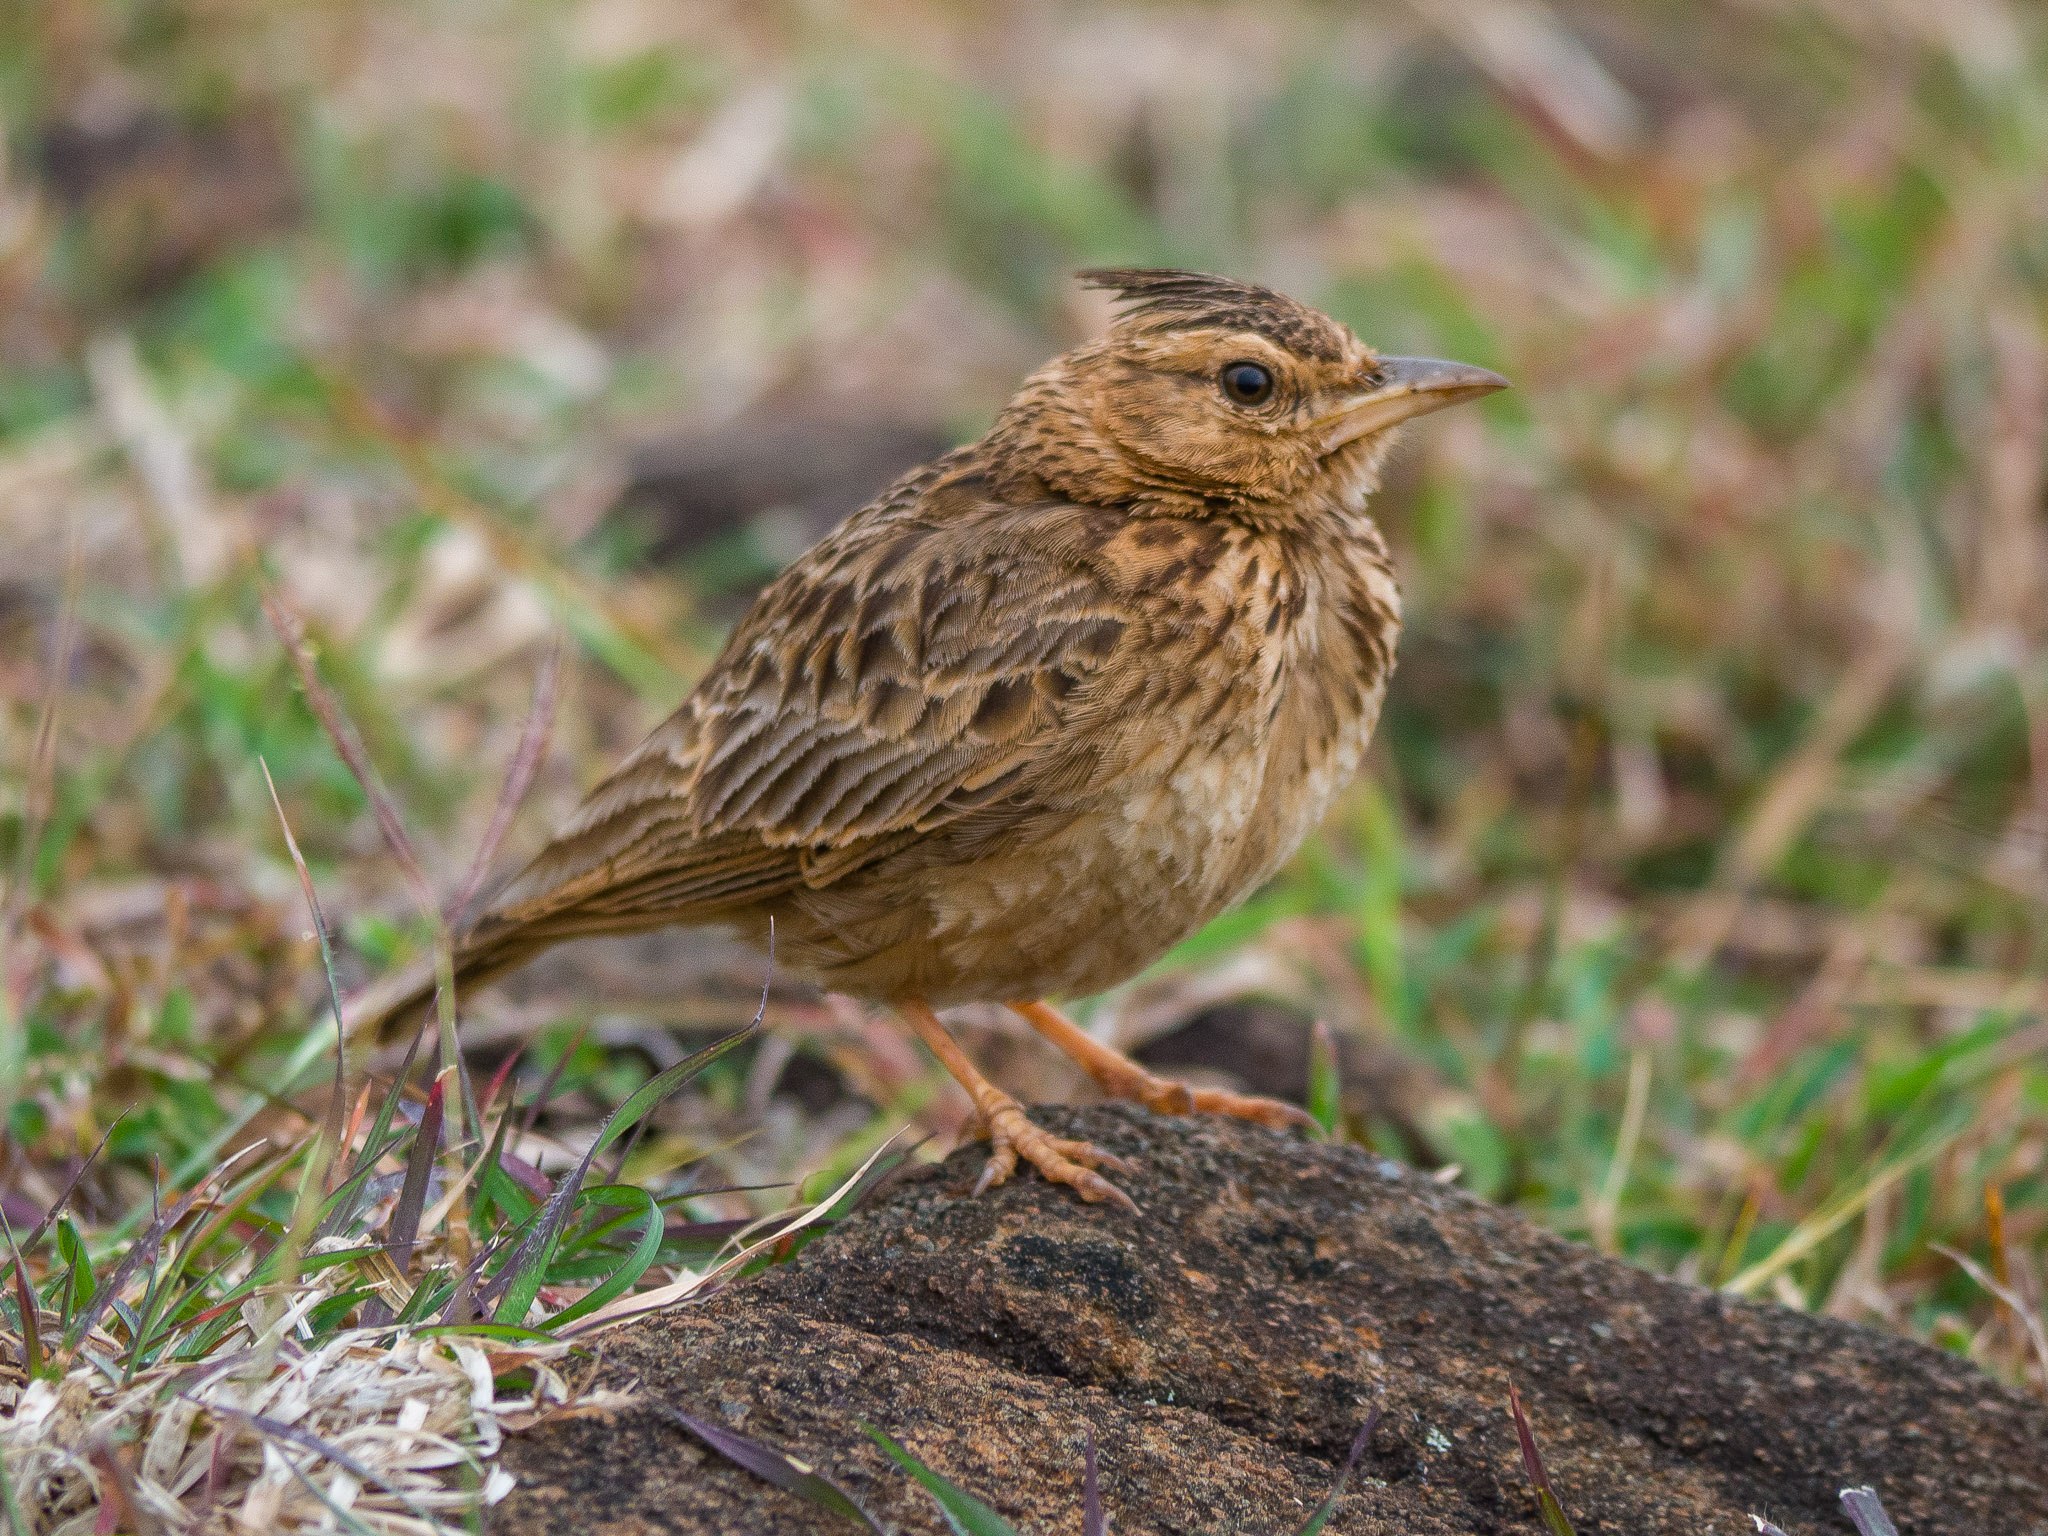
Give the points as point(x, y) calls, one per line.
point(388, 1009)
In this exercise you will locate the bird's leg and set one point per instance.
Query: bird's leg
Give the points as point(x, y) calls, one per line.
point(1010, 1134)
point(1122, 1078)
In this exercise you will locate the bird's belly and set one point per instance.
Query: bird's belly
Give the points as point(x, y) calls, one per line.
point(1087, 907)
point(1083, 904)
point(1094, 901)
point(1088, 901)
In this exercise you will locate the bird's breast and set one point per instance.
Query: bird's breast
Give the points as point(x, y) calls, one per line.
point(1273, 724)
point(1245, 708)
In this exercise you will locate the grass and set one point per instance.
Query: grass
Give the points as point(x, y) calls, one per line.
point(1696, 880)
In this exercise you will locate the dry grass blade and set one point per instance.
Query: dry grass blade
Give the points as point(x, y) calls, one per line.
point(548, 1084)
point(291, 631)
point(1834, 1215)
point(526, 758)
point(35, 1233)
point(1605, 1215)
point(25, 1304)
point(291, 1434)
point(1994, 1232)
point(198, 539)
point(128, 1511)
point(1093, 1521)
point(374, 1145)
point(419, 1168)
point(1791, 796)
point(514, 550)
point(42, 762)
point(774, 1235)
point(2028, 1319)
point(1531, 51)
point(338, 1102)
point(227, 1445)
point(348, 744)
point(772, 1466)
point(1866, 1513)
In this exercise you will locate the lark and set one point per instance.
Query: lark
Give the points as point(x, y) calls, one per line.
point(1041, 709)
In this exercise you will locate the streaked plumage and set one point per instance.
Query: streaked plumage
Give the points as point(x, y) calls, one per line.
point(1044, 706)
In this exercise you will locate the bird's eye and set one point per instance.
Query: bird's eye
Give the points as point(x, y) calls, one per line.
point(1247, 383)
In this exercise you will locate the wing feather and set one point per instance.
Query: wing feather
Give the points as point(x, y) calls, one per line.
point(921, 665)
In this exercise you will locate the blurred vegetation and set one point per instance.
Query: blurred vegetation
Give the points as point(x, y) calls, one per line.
point(1695, 889)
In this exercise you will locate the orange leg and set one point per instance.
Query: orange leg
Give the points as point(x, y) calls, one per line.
point(1122, 1078)
point(1010, 1134)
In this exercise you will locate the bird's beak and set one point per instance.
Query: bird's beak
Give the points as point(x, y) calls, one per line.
point(1405, 387)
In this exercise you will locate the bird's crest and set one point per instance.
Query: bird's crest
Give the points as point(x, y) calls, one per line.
point(1167, 299)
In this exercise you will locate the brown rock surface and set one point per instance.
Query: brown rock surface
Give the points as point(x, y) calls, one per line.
point(1224, 1346)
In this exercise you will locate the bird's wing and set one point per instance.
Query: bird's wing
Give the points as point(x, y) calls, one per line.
point(931, 659)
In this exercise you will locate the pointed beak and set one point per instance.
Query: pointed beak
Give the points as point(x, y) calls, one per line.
point(1405, 387)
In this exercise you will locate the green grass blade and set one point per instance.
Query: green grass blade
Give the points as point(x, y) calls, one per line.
point(635, 1264)
point(380, 1138)
point(81, 1283)
point(1328, 1507)
point(1325, 1087)
point(143, 1252)
point(965, 1514)
point(526, 1270)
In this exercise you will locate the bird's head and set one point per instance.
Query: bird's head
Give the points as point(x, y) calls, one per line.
point(1215, 391)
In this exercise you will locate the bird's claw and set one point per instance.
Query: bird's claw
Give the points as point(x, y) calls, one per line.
point(1013, 1137)
point(1165, 1096)
point(1274, 1114)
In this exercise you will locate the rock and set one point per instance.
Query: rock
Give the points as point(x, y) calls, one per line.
point(1224, 1346)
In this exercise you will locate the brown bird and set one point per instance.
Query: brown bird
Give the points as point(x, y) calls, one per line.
point(1042, 708)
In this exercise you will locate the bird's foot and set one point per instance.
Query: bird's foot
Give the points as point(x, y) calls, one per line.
point(1013, 1137)
point(1122, 1078)
point(1274, 1114)
point(1165, 1096)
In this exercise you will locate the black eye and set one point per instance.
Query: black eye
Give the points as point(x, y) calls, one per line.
point(1247, 383)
